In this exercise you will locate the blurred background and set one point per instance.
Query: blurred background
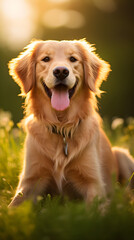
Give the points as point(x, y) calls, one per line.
point(109, 24)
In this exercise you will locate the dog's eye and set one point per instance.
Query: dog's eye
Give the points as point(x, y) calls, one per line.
point(72, 59)
point(46, 59)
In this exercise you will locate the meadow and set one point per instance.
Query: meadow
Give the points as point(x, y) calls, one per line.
point(61, 219)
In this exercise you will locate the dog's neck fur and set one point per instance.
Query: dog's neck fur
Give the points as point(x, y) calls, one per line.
point(64, 131)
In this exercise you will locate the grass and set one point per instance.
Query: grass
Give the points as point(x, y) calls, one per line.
point(59, 219)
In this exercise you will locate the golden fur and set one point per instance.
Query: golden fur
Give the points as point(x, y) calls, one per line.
point(87, 168)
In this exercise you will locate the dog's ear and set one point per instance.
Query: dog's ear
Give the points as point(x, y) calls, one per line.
point(22, 68)
point(95, 69)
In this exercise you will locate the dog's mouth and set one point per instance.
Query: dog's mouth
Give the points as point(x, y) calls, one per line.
point(60, 95)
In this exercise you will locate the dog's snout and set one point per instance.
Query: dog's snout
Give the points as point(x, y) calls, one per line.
point(60, 72)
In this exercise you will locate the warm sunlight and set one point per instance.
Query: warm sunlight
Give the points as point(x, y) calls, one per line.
point(21, 20)
point(75, 19)
point(108, 6)
point(55, 18)
point(17, 22)
point(58, 1)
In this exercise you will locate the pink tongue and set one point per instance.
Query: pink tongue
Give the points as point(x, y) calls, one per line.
point(60, 99)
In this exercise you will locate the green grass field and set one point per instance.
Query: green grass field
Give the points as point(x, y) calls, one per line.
point(60, 219)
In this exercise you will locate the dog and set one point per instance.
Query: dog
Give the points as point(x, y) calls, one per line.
point(66, 149)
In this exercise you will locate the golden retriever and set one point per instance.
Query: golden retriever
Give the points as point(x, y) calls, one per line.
point(66, 150)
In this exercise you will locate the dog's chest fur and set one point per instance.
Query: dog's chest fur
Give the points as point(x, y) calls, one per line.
point(51, 144)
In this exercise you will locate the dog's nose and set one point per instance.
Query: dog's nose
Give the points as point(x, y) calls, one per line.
point(60, 72)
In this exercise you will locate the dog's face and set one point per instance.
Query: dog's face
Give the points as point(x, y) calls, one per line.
point(60, 69)
point(59, 72)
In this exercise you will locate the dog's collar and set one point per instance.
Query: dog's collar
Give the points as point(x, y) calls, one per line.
point(65, 148)
point(61, 132)
point(55, 130)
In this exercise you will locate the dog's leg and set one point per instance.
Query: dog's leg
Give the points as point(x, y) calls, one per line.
point(87, 186)
point(125, 165)
point(29, 189)
point(86, 177)
point(36, 174)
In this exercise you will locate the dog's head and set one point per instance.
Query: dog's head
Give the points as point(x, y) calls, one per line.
point(60, 69)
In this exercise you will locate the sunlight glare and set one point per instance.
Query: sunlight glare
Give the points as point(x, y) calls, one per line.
point(108, 6)
point(75, 19)
point(17, 22)
point(59, 1)
point(55, 18)
point(58, 18)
